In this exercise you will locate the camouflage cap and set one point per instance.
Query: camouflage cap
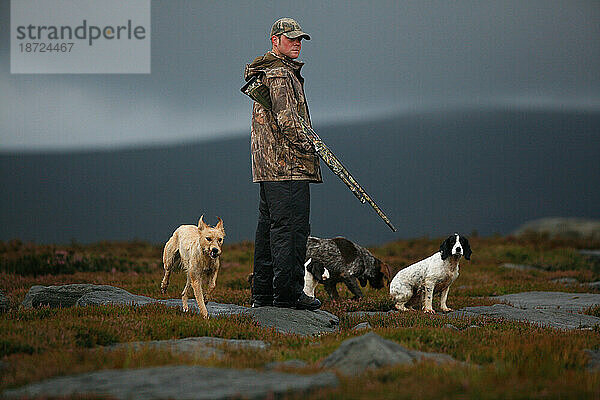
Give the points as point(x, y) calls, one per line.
point(288, 27)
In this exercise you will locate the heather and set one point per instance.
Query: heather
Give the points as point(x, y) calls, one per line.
point(501, 359)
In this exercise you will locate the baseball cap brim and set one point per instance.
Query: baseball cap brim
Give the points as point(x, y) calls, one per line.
point(296, 34)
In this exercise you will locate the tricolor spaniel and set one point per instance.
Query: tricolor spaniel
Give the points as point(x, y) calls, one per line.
point(435, 273)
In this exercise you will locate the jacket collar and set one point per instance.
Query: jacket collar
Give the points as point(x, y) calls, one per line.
point(295, 65)
point(271, 60)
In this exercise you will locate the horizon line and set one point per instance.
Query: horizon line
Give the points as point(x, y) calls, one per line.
point(340, 120)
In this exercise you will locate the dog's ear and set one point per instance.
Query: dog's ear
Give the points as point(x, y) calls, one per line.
point(201, 224)
point(446, 247)
point(317, 270)
point(220, 224)
point(466, 247)
point(386, 270)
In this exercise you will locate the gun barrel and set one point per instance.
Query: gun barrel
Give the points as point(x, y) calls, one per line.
point(337, 168)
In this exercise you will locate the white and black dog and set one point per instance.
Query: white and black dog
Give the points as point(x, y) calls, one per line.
point(416, 283)
point(345, 262)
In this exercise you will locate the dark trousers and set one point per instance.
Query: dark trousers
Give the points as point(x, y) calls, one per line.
point(280, 244)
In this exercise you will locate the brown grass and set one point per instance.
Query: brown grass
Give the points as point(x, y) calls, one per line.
point(505, 359)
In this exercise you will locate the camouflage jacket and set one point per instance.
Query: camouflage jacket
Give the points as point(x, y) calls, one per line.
point(280, 149)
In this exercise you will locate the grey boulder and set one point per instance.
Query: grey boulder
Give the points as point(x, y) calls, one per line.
point(562, 227)
point(198, 347)
point(176, 382)
point(68, 295)
point(362, 326)
point(371, 351)
point(302, 322)
point(593, 285)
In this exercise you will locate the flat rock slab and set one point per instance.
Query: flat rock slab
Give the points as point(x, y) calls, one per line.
point(177, 382)
point(200, 347)
point(590, 253)
point(285, 320)
point(566, 281)
point(301, 322)
point(521, 267)
point(542, 317)
point(289, 364)
point(371, 351)
point(574, 302)
point(593, 285)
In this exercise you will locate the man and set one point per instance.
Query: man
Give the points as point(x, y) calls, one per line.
point(284, 162)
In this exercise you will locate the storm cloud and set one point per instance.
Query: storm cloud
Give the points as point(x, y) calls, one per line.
point(366, 59)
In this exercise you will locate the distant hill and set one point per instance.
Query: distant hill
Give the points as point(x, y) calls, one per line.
point(433, 174)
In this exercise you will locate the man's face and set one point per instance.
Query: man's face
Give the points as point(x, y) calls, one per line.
point(286, 46)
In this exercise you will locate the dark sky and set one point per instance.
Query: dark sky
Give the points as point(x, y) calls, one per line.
point(366, 59)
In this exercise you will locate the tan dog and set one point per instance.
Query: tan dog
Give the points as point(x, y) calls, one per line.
point(197, 250)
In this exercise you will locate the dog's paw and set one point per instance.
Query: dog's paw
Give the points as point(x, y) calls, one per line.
point(400, 307)
point(429, 311)
point(446, 309)
point(186, 309)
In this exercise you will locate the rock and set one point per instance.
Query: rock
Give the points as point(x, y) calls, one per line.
point(301, 322)
point(4, 303)
point(285, 320)
point(562, 227)
point(450, 326)
point(566, 281)
point(521, 267)
point(593, 363)
point(555, 318)
point(292, 364)
point(200, 347)
point(593, 285)
point(356, 355)
point(574, 302)
point(553, 309)
point(593, 254)
point(67, 295)
point(362, 326)
point(176, 382)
